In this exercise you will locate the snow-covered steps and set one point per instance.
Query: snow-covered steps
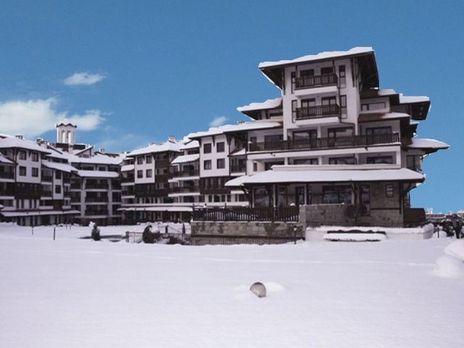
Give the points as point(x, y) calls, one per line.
point(354, 236)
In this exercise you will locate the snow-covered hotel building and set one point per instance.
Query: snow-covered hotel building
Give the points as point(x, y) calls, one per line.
point(334, 145)
point(45, 183)
point(344, 147)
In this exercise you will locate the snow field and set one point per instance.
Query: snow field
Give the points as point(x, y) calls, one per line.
point(80, 293)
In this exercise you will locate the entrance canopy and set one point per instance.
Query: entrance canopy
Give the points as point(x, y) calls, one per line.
point(286, 174)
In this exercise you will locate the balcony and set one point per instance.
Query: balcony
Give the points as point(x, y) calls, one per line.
point(185, 189)
point(315, 81)
point(185, 173)
point(102, 199)
point(6, 175)
point(318, 111)
point(96, 186)
point(327, 143)
point(47, 178)
point(237, 168)
point(96, 212)
point(214, 190)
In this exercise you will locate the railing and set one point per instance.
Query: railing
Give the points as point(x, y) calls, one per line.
point(414, 216)
point(96, 186)
point(5, 175)
point(46, 193)
point(315, 81)
point(96, 199)
point(214, 190)
point(246, 214)
point(327, 143)
point(317, 111)
point(47, 178)
point(127, 179)
point(93, 212)
point(183, 173)
point(185, 189)
point(9, 191)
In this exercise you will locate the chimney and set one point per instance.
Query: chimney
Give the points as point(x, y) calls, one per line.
point(172, 139)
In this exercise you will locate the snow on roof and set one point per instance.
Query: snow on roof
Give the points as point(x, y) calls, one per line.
point(268, 104)
point(97, 174)
point(423, 143)
point(7, 141)
point(38, 212)
point(153, 148)
point(97, 159)
point(127, 168)
point(413, 99)
point(59, 166)
point(319, 56)
point(240, 152)
point(190, 144)
point(383, 116)
point(5, 160)
point(289, 174)
point(186, 158)
point(229, 128)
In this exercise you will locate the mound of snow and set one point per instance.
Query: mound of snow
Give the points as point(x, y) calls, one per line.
point(449, 267)
point(456, 249)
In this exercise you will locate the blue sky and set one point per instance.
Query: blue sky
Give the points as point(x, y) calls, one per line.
point(172, 67)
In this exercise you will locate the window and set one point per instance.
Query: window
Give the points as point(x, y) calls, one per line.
point(329, 101)
point(304, 139)
point(311, 161)
point(220, 147)
point(378, 134)
point(220, 163)
point(140, 160)
point(342, 160)
point(148, 159)
point(57, 174)
point(292, 78)
point(326, 70)
point(207, 164)
point(148, 173)
point(294, 105)
point(336, 194)
point(342, 76)
point(35, 157)
point(389, 190)
point(58, 189)
point(35, 172)
point(307, 73)
point(380, 160)
point(22, 171)
point(307, 103)
point(343, 109)
point(22, 155)
point(207, 148)
point(365, 198)
point(139, 174)
point(255, 166)
point(414, 162)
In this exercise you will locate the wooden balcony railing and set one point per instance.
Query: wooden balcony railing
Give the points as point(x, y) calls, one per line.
point(237, 168)
point(6, 175)
point(185, 173)
point(327, 143)
point(315, 81)
point(214, 190)
point(247, 214)
point(317, 111)
point(101, 199)
point(185, 189)
point(96, 186)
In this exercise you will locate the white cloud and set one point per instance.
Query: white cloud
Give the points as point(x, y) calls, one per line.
point(34, 117)
point(83, 79)
point(218, 121)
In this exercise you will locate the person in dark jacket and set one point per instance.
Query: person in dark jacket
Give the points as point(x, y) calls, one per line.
point(456, 221)
point(148, 236)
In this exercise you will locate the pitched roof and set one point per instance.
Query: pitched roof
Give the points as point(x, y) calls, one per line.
point(154, 148)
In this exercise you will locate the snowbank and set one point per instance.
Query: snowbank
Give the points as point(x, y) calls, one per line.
point(423, 232)
point(451, 265)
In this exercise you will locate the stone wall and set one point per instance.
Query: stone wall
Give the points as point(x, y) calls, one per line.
point(242, 232)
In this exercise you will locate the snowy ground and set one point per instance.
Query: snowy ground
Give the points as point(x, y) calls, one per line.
point(80, 293)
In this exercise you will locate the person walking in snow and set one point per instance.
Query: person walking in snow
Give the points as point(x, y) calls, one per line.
point(456, 221)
